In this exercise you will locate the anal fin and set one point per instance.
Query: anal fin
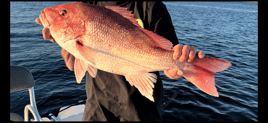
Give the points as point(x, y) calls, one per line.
point(92, 71)
point(144, 83)
point(80, 69)
point(160, 41)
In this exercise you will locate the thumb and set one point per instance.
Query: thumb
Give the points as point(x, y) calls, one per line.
point(37, 20)
point(47, 35)
point(179, 72)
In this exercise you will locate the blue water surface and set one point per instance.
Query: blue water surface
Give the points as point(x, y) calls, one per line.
point(225, 30)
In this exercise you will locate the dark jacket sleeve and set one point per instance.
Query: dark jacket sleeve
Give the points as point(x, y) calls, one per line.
point(160, 21)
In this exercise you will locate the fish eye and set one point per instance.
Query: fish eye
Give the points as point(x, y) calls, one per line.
point(63, 12)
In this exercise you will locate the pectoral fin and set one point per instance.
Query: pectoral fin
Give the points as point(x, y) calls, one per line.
point(92, 71)
point(144, 83)
point(86, 51)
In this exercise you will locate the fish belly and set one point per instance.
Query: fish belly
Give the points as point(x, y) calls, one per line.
point(125, 66)
point(117, 65)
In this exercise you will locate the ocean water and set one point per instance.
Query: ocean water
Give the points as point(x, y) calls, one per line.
point(225, 30)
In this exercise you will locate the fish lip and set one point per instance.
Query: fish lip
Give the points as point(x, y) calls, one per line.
point(43, 19)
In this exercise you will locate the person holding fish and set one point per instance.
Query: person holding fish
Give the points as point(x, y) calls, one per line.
point(121, 57)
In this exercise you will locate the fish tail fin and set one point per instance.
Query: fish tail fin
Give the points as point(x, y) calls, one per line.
point(200, 72)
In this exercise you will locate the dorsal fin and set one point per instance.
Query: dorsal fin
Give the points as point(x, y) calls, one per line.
point(124, 12)
point(160, 41)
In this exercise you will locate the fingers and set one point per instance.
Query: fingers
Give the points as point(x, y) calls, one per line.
point(177, 51)
point(68, 58)
point(46, 32)
point(201, 54)
point(47, 35)
point(185, 53)
point(179, 72)
point(192, 54)
point(52, 40)
point(173, 73)
point(37, 20)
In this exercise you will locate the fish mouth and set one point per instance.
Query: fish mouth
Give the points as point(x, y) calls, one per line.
point(46, 30)
point(43, 19)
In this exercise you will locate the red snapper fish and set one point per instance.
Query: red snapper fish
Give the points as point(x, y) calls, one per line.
point(108, 38)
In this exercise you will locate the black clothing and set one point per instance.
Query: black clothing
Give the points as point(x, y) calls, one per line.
point(109, 96)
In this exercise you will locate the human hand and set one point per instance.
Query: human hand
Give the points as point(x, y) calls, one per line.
point(183, 53)
point(46, 32)
point(68, 59)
